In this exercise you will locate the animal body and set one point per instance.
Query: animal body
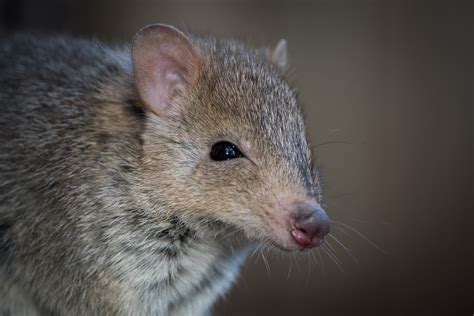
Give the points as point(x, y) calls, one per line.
point(135, 179)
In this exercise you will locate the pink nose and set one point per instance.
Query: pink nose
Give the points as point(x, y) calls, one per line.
point(309, 226)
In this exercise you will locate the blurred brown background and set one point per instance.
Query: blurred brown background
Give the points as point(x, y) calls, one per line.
point(387, 90)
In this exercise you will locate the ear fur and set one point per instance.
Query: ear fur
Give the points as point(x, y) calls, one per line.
point(165, 63)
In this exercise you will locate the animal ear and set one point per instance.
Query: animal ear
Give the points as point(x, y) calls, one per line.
point(279, 55)
point(165, 63)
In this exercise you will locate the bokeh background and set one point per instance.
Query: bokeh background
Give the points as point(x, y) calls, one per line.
point(387, 88)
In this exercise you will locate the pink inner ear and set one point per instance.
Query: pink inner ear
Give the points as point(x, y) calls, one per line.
point(164, 84)
point(165, 63)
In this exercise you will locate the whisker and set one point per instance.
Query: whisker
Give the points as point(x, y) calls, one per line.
point(330, 256)
point(256, 251)
point(344, 232)
point(322, 263)
point(297, 263)
point(314, 257)
point(361, 235)
point(349, 252)
point(331, 142)
point(308, 276)
point(367, 222)
point(359, 220)
point(332, 252)
point(289, 270)
point(329, 245)
point(267, 266)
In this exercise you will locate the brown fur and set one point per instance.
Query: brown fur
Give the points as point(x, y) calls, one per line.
point(108, 208)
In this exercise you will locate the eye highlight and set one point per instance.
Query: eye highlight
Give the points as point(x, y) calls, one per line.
point(224, 151)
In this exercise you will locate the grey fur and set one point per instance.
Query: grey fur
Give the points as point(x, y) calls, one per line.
point(107, 209)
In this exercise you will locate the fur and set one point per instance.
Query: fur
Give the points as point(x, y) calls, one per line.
point(109, 209)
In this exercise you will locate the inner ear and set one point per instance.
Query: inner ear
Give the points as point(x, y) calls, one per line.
point(165, 63)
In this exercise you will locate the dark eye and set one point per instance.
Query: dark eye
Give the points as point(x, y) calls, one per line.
point(225, 151)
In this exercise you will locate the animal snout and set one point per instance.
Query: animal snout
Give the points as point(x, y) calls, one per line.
point(309, 225)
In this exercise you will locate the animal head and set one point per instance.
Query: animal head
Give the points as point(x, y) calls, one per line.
point(225, 139)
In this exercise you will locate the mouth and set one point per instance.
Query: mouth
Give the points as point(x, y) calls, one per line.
point(296, 241)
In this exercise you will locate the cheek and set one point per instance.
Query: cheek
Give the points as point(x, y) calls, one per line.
point(229, 186)
point(236, 174)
